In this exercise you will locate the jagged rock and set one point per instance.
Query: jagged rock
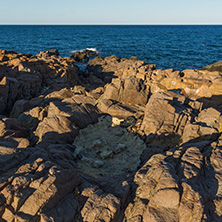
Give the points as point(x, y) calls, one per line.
point(193, 84)
point(101, 207)
point(117, 109)
point(58, 164)
point(80, 56)
point(19, 107)
point(3, 58)
point(177, 186)
point(207, 126)
point(31, 118)
point(130, 91)
point(82, 99)
point(37, 186)
point(103, 143)
point(217, 66)
point(81, 114)
point(22, 77)
point(90, 52)
point(9, 91)
point(112, 66)
point(57, 128)
point(152, 149)
point(79, 90)
point(49, 53)
point(62, 154)
point(167, 112)
point(64, 211)
point(11, 127)
point(18, 142)
point(30, 85)
point(60, 95)
point(83, 56)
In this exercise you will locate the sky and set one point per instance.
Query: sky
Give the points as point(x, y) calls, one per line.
point(111, 12)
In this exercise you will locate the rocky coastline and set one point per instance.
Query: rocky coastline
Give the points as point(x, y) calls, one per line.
point(118, 141)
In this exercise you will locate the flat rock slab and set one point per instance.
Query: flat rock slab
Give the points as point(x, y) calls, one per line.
point(106, 150)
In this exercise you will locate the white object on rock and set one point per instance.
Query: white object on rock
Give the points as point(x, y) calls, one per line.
point(116, 121)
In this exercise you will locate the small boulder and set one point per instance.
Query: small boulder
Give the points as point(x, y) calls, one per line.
point(80, 56)
point(49, 53)
point(101, 207)
point(57, 128)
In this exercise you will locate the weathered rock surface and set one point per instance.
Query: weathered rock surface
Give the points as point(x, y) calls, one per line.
point(217, 66)
point(177, 186)
point(83, 56)
point(127, 91)
point(112, 66)
point(168, 113)
point(31, 184)
point(114, 153)
point(124, 97)
point(12, 134)
point(25, 76)
point(120, 141)
point(101, 207)
point(206, 127)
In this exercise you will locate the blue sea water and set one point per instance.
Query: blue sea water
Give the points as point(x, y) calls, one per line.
point(168, 46)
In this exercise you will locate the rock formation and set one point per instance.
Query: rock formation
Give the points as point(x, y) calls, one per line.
point(118, 141)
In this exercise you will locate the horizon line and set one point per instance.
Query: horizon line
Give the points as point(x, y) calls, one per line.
point(111, 24)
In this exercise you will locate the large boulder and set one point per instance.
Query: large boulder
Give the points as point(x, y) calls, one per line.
point(177, 186)
point(61, 120)
point(80, 56)
point(19, 107)
point(112, 66)
point(49, 53)
point(217, 66)
point(101, 207)
point(58, 129)
point(118, 110)
point(81, 114)
point(11, 127)
point(130, 91)
point(32, 117)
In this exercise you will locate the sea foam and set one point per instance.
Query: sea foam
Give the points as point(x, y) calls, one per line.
point(81, 50)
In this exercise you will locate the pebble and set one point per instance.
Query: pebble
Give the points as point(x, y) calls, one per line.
point(97, 163)
point(106, 154)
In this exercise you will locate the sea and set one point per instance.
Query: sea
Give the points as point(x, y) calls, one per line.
point(168, 46)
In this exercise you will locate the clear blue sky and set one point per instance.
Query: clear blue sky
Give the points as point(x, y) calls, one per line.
point(111, 12)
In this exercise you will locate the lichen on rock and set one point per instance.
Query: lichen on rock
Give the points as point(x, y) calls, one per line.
point(106, 150)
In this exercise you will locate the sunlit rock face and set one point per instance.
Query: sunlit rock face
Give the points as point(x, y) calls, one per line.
point(117, 141)
point(106, 149)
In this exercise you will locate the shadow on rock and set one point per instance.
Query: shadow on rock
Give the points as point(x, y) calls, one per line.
point(214, 101)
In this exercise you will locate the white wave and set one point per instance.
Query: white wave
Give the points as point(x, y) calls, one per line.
point(81, 50)
point(92, 49)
